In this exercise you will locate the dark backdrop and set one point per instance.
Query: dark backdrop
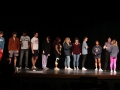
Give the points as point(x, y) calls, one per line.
point(92, 22)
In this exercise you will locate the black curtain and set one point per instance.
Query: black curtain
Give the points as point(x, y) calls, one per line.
point(94, 23)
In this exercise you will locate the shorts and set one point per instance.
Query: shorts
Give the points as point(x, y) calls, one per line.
point(1, 54)
point(35, 53)
point(13, 53)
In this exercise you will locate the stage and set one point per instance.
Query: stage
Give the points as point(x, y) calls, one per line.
point(67, 74)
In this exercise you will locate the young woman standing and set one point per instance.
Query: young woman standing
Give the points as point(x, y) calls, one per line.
point(67, 51)
point(97, 50)
point(76, 52)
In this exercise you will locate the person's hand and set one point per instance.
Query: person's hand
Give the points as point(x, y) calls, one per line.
point(72, 53)
point(80, 53)
point(32, 52)
point(8, 51)
point(48, 54)
point(86, 47)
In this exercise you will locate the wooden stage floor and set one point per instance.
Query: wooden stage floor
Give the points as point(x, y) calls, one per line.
point(67, 74)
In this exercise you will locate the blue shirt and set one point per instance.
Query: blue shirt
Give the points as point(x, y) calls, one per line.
point(84, 49)
point(2, 42)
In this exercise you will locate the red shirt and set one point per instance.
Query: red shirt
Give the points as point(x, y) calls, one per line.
point(76, 48)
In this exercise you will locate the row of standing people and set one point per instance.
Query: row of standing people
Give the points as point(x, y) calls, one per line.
point(25, 43)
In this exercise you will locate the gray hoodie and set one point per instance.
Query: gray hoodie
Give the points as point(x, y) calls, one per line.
point(114, 50)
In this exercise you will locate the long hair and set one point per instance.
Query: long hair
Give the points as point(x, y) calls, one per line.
point(56, 40)
point(66, 39)
point(114, 42)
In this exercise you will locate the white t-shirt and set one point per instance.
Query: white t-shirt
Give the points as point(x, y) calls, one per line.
point(25, 42)
point(35, 43)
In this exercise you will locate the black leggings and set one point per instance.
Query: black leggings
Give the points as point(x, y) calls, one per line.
point(84, 58)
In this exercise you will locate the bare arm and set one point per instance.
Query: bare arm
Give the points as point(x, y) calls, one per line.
point(56, 48)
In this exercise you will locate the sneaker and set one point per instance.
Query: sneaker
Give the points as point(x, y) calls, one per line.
point(70, 68)
point(115, 71)
point(111, 71)
point(45, 68)
point(84, 68)
point(77, 68)
point(74, 68)
point(35, 67)
point(100, 69)
point(26, 68)
point(66, 68)
point(56, 69)
point(96, 69)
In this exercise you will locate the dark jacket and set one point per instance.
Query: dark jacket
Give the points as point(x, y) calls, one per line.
point(46, 47)
point(67, 49)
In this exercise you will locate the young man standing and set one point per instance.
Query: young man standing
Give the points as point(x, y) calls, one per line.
point(84, 52)
point(35, 49)
point(13, 47)
point(25, 45)
point(2, 42)
point(107, 53)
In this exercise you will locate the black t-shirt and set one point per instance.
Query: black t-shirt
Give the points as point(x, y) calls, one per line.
point(59, 49)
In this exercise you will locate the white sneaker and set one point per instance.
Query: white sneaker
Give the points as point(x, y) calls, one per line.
point(84, 68)
point(115, 71)
point(74, 68)
point(66, 68)
point(70, 68)
point(111, 71)
point(56, 69)
point(96, 69)
point(100, 69)
point(77, 68)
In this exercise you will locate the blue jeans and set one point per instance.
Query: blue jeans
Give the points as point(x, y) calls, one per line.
point(22, 52)
point(67, 61)
point(76, 60)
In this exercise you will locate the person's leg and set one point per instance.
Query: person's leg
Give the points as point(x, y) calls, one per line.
point(68, 62)
point(96, 64)
point(65, 63)
point(1, 54)
point(33, 60)
point(77, 61)
point(15, 58)
point(36, 57)
point(83, 62)
point(114, 61)
point(99, 63)
point(21, 57)
point(56, 62)
point(26, 58)
point(10, 56)
point(107, 57)
point(111, 63)
point(44, 61)
point(74, 61)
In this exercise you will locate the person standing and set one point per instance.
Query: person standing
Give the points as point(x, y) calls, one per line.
point(57, 51)
point(35, 49)
point(46, 47)
point(114, 50)
point(107, 53)
point(67, 51)
point(76, 52)
point(84, 52)
point(97, 50)
point(13, 47)
point(2, 43)
point(25, 45)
